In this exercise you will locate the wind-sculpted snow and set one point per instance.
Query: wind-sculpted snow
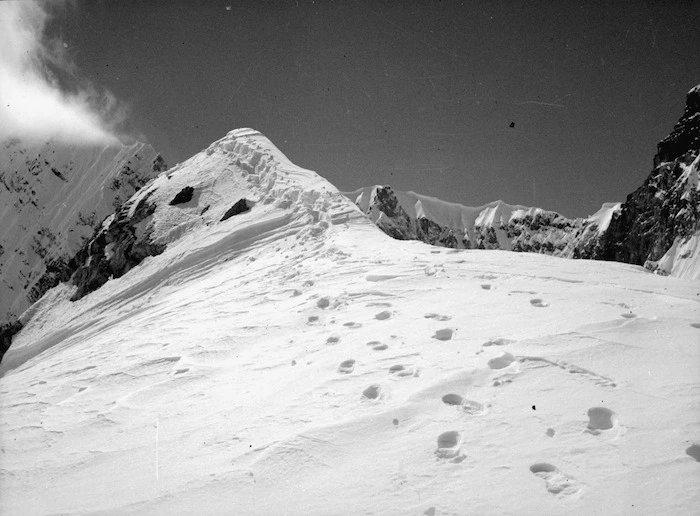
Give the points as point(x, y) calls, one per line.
point(294, 359)
point(242, 175)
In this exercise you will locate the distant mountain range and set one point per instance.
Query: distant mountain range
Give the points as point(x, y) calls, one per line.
point(657, 226)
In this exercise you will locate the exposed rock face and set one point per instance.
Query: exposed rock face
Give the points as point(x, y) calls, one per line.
point(52, 197)
point(663, 214)
point(183, 196)
point(241, 206)
point(685, 136)
point(121, 244)
point(410, 216)
point(7, 331)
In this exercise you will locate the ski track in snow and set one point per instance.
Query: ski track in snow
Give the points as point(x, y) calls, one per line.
point(325, 369)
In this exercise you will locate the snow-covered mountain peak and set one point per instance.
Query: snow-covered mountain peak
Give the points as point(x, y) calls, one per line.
point(194, 204)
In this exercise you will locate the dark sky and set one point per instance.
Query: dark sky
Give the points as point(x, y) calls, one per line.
point(420, 95)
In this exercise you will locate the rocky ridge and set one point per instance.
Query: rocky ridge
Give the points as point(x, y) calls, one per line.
point(497, 225)
point(52, 197)
point(658, 225)
point(202, 194)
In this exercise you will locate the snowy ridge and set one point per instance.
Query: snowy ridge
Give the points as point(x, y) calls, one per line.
point(293, 359)
point(52, 196)
point(497, 225)
point(442, 212)
point(285, 203)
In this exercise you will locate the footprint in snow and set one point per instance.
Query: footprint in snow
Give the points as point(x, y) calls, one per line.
point(372, 392)
point(497, 342)
point(383, 316)
point(324, 302)
point(486, 286)
point(600, 418)
point(438, 317)
point(353, 325)
point(556, 481)
point(312, 319)
point(346, 366)
point(501, 361)
point(443, 334)
point(539, 303)
point(377, 346)
point(695, 324)
point(333, 339)
point(402, 371)
point(629, 315)
point(468, 406)
point(449, 446)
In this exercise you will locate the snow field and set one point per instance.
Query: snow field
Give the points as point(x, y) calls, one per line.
point(274, 364)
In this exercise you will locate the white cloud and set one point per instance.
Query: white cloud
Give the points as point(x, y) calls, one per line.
point(32, 104)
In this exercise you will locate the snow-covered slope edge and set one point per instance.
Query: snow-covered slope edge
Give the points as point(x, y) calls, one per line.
point(293, 359)
point(52, 196)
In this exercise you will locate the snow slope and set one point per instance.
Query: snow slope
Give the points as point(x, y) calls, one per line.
point(52, 195)
point(293, 359)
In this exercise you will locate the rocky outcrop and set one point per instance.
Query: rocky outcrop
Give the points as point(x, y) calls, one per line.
point(7, 331)
point(685, 136)
point(122, 243)
point(410, 216)
point(52, 197)
point(241, 206)
point(183, 196)
point(664, 211)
